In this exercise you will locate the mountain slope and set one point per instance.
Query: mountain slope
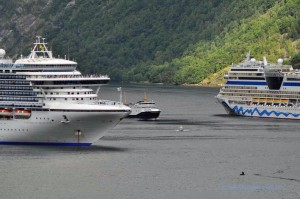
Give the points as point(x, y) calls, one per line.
point(273, 34)
point(174, 41)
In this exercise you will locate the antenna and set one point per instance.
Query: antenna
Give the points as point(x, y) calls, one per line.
point(265, 61)
point(21, 45)
point(68, 53)
point(120, 90)
point(145, 97)
point(248, 55)
point(125, 97)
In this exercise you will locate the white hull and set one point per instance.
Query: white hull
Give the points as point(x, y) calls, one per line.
point(46, 127)
point(281, 112)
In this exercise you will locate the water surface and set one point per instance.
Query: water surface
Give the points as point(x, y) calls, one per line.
point(152, 159)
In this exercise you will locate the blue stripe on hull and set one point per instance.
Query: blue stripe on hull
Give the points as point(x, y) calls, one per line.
point(246, 83)
point(291, 84)
point(241, 111)
point(46, 143)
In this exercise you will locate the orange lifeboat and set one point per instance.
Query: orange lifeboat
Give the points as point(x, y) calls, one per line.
point(19, 112)
point(6, 112)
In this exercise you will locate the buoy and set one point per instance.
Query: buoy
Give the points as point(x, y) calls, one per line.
point(181, 128)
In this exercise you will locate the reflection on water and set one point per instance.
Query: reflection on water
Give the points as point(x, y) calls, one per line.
point(21, 151)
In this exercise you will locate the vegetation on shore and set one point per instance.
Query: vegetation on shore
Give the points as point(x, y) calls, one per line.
point(170, 41)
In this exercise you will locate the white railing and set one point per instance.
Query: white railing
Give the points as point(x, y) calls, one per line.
point(68, 76)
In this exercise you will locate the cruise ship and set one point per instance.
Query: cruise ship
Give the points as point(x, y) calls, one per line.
point(262, 89)
point(45, 101)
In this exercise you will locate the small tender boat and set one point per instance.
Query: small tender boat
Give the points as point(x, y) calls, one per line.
point(144, 110)
point(22, 113)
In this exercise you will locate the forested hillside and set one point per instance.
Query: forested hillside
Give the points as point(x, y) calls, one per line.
point(172, 41)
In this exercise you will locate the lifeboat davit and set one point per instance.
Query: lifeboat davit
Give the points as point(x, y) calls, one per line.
point(6, 112)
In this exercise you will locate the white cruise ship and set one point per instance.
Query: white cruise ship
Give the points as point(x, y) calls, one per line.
point(261, 89)
point(45, 100)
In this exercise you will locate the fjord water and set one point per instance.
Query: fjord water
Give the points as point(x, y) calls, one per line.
point(153, 159)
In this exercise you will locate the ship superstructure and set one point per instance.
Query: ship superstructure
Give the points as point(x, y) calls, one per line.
point(144, 110)
point(45, 100)
point(261, 89)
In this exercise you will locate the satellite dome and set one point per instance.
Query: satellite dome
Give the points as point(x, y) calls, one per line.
point(280, 61)
point(252, 60)
point(2, 53)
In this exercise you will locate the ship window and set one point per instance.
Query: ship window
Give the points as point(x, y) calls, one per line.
point(66, 99)
point(77, 93)
point(76, 98)
point(81, 98)
point(68, 93)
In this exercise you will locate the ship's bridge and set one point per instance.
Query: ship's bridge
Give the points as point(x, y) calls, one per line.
point(45, 63)
point(41, 57)
point(68, 80)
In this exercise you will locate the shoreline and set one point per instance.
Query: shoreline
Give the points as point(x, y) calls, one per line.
point(188, 85)
point(204, 85)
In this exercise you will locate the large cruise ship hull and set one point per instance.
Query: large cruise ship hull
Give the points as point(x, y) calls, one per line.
point(281, 112)
point(59, 128)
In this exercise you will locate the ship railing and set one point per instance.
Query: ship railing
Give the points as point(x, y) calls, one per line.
point(67, 76)
point(20, 104)
point(6, 65)
point(297, 75)
point(109, 102)
point(250, 65)
point(44, 66)
point(13, 65)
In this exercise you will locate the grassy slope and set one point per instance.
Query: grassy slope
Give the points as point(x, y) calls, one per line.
point(270, 34)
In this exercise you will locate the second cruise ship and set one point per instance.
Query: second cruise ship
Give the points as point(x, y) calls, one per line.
point(261, 89)
point(45, 100)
